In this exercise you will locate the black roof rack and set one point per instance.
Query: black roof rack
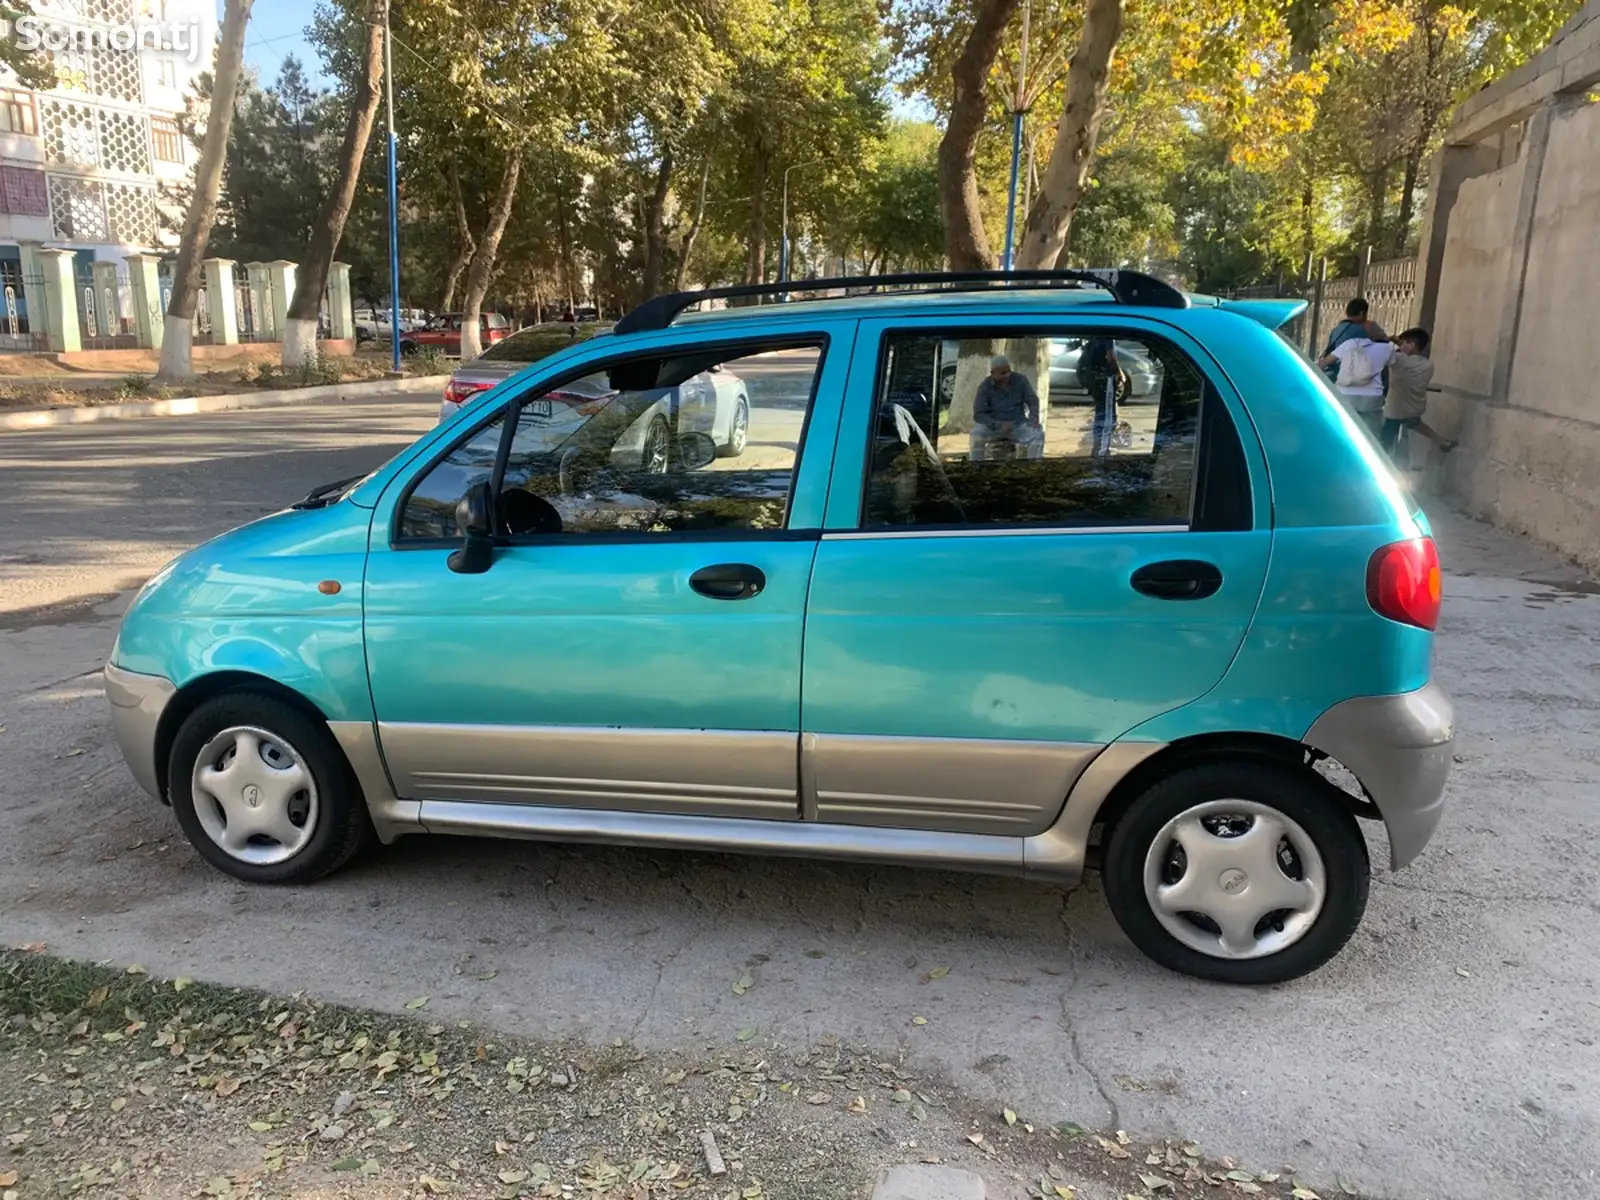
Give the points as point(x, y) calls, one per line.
point(1128, 287)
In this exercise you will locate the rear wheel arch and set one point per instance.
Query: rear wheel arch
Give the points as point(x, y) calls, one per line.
point(197, 691)
point(1213, 747)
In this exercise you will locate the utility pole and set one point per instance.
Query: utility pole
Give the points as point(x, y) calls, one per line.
point(1018, 112)
point(394, 192)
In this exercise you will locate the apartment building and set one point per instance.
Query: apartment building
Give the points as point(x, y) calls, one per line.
point(97, 164)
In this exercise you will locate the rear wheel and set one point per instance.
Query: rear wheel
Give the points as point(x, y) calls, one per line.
point(263, 792)
point(738, 430)
point(1239, 872)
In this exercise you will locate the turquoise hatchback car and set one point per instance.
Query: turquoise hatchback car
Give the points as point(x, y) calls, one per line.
point(932, 615)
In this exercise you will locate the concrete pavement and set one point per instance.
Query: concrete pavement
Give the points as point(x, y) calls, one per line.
point(1449, 1051)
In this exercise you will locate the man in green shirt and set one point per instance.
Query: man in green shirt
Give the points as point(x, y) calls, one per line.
point(1410, 373)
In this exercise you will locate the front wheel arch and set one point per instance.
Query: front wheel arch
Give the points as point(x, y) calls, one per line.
point(197, 691)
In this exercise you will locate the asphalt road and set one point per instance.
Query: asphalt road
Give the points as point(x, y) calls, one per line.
point(1449, 1052)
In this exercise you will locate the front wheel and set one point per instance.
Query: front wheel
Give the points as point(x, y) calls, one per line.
point(262, 791)
point(1238, 872)
point(655, 456)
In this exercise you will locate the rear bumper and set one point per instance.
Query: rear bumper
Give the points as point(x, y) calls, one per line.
point(137, 702)
point(1400, 748)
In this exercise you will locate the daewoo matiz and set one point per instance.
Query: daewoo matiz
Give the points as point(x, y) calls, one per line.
point(963, 626)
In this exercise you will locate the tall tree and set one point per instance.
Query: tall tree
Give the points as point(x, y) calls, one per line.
point(1044, 238)
point(966, 243)
point(177, 355)
point(300, 335)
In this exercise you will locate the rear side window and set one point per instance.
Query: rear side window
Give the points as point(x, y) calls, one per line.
point(1033, 429)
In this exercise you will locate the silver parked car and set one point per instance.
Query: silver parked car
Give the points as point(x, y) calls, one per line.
point(714, 402)
point(1143, 371)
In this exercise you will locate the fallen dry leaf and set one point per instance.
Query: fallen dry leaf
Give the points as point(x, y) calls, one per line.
point(419, 1002)
point(743, 984)
point(919, 1020)
point(228, 1085)
point(1011, 1117)
point(8, 1178)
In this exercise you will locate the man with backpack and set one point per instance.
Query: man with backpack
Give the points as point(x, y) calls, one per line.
point(1357, 364)
point(1356, 324)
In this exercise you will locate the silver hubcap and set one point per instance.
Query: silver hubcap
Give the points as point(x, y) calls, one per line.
point(741, 428)
point(254, 795)
point(1234, 879)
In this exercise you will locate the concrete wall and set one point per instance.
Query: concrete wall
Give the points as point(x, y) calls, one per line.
point(1511, 258)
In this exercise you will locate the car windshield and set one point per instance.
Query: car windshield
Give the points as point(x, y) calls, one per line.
point(540, 341)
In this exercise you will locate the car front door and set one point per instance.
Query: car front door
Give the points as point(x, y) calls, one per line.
point(991, 606)
point(635, 642)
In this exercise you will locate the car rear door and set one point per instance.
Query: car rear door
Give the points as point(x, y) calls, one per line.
point(978, 631)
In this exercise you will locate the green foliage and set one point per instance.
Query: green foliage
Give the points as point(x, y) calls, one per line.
point(1239, 138)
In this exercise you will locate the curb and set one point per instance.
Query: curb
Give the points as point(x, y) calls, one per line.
point(332, 393)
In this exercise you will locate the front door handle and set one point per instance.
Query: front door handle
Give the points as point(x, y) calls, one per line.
point(1178, 579)
point(729, 581)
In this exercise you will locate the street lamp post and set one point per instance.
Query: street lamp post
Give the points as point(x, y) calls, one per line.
point(394, 193)
point(1018, 112)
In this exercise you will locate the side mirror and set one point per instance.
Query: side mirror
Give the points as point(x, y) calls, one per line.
point(695, 450)
point(475, 523)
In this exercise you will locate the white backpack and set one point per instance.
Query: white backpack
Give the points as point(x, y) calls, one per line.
point(1356, 368)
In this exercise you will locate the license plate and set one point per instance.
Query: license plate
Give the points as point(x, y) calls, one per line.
point(537, 408)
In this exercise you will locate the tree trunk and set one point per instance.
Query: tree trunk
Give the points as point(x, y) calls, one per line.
point(177, 355)
point(482, 269)
point(655, 236)
point(465, 242)
point(693, 231)
point(755, 270)
point(965, 241)
point(1045, 237)
point(569, 268)
point(1377, 188)
point(311, 279)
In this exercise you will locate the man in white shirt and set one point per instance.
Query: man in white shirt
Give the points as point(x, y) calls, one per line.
point(1359, 381)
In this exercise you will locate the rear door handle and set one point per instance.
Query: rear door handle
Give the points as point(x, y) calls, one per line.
point(729, 581)
point(1178, 579)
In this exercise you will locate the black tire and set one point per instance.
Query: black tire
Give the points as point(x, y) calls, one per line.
point(407, 349)
point(1294, 792)
point(733, 449)
point(343, 825)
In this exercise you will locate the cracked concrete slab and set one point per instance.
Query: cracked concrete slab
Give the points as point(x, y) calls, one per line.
point(1450, 1050)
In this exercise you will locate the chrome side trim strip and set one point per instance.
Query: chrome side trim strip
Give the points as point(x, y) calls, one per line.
point(857, 535)
point(1058, 854)
point(137, 702)
point(391, 816)
point(803, 839)
point(728, 773)
point(956, 785)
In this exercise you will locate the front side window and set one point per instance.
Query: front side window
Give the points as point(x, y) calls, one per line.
point(696, 442)
point(1032, 429)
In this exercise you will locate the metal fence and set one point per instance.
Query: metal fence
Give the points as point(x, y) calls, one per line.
point(1389, 287)
point(23, 323)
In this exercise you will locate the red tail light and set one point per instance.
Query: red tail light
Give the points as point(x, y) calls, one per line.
point(457, 392)
point(1403, 582)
